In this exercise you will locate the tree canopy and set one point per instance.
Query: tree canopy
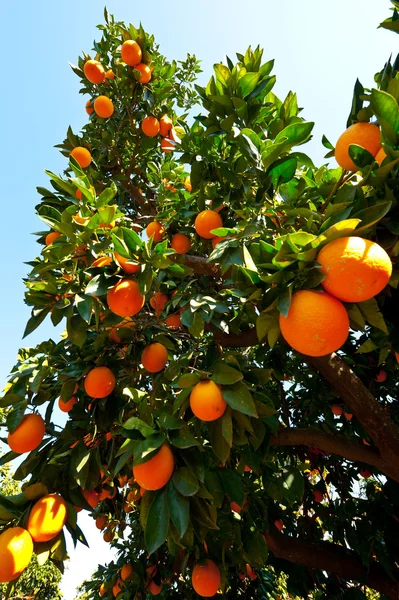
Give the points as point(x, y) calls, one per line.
point(229, 360)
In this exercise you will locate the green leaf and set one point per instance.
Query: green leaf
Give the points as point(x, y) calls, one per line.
point(156, 530)
point(239, 398)
point(219, 445)
point(288, 484)
point(295, 134)
point(38, 316)
point(77, 331)
point(98, 286)
point(385, 108)
point(10, 399)
point(185, 482)
point(134, 423)
point(282, 170)
point(15, 417)
point(188, 380)
point(371, 215)
point(247, 84)
point(107, 195)
point(84, 304)
point(371, 312)
point(227, 427)
point(225, 375)
point(179, 509)
point(341, 229)
point(284, 301)
point(233, 485)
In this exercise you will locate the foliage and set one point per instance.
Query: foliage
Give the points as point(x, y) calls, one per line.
point(278, 451)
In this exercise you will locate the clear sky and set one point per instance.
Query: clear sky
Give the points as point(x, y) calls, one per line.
point(320, 48)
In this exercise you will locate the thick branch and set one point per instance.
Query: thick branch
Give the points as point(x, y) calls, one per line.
point(373, 417)
point(333, 444)
point(244, 339)
point(332, 558)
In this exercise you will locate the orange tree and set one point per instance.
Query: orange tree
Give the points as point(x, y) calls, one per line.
point(230, 374)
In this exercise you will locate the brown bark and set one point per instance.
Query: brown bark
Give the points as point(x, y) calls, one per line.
point(332, 558)
point(200, 266)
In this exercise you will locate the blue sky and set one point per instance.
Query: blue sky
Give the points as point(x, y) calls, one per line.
point(320, 48)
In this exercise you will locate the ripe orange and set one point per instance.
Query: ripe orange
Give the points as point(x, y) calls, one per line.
point(103, 107)
point(122, 480)
point(126, 324)
point(125, 298)
point(279, 524)
point(126, 264)
point(126, 571)
point(317, 323)
point(206, 578)
point(102, 590)
point(217, 239)
point(235, 507)
point(150, 126)
point(187, 184)
point(91, 497)
point(101, 522)
point(156, 472)
point(318, 495)
point(28, 435)
point(117, 588)
point(108, 535)
point(337, 410)
point(110, 74)
point(82, 156)
point(167, 145)
point(180, 243)
point(158, 302)
point(206, 400)
point(145, 71)
point(102, 261)
point(47, 517)
point(381, 376)
point(94, 71)
point(348, 416)
point(154, 357)
point(99, 382)
point(205, 222)
point(153, 587)
point(51, 237)
point(365, 135)
point(356, 269)
point(173, 321)
point(16, 548)
point(381, 156)
point(68, 405)
point(366, 473)
point(397, 357)
point(131, 53)
point(165, 125)
point(250, 572)
point(89, 108)
point(156, 230)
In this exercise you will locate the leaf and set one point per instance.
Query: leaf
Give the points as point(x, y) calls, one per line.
point(156, 530)
point(295, 134)
point(284, 301)
point(233, 485)
point(179, 509)
point(239, 398)
point(143, 449)
point(371, 312)
point(385, 108)
point(188, 380)
point(15, 417)
point(84, 304)
point(247, 84)
point(224, 374)
point(185, 482)
point(76, 329)
point(227, 427)
point(371, 215)
point(360, 156)
point(282, 170)
point(341, 229)
point(288, 484)
point(134, 423)
point(38, 316)
point(219, 445)
point(98, 286)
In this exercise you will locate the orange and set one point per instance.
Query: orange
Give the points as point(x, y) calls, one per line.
point(91, 498)
point(117, 588)
point(250, 572)
point(180, 243)
point(173, 321)
point(47, 517)
point(397, 357)
point(150, 126)
point(102, 261)
point(235, 507)
point(381, 376)
point(126, 264)
point(99, 382)
point(51, 237)
point(102, 590)
point(153, 587)
point(28, 435)
point(356, 269)
point(125, 298)
point(165, 125)
point(82, 156)
point(348, 416)
point(35, 491)
point(167, 145)
point(89, 108)
point(205, 222)
point(108, 535)
point(318, 495)
point(16, 548)
point(337, 410)
point(94, 71)
point(154, 357)
point(126, 571)
point(155, 230)
point(206, 400)
point(122, 480)
point(101, 522)
point(217, 239)
point(317, 323)
point(206, 578)
point(67, 406)
point(187, 184)
point(279, 524)
point(145, 71)
point(158, 302)
point(104, 107)
point(131, 53)
point(110, 74)
point(365, 135)
point(381, 156)
point(113, 335)
point(156, 472)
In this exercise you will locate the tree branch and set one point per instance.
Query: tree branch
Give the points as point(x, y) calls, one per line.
point(332, 558)
point(372, 416)
point(333, 444)
point(200, 266)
